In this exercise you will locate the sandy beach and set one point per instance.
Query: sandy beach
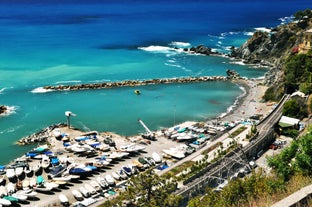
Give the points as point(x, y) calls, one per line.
point(248, 105)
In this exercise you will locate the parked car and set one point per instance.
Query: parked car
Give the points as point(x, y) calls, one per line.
point(273, 147)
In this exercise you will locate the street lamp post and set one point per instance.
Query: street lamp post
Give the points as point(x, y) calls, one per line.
point(68, 114)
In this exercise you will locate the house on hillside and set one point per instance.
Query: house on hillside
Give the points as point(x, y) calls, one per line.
point(307, 42)
point(287, 122)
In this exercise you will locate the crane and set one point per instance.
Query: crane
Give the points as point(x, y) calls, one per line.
point(149, 134)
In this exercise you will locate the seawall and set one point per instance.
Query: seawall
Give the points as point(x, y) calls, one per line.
point(133, 83)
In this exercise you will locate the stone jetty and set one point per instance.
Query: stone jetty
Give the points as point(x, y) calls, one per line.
point(40, 136)
point(133, 83)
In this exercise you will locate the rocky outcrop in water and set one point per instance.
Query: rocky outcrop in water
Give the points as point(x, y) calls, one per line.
point(3, 109)
point(201, 49)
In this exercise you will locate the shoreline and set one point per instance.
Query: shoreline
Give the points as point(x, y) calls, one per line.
point(245, 106)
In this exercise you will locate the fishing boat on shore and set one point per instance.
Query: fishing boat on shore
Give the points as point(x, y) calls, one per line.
point(132, 148)
point(5, 202)
point(156, 157)
point(19, 197)
point(10, 173)
point(11, 188)
point(110, 180)
point(89, 188)
point(84, 192)
point(116, 175)
point(29, 193)
point(77, 195)
point(102, 182)
point(64, 200)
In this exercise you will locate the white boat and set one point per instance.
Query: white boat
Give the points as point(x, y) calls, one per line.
point(63, 178)
point(29, 193)
point(36, 167)
point(33, 182)
point(19, 197)
point(10, 173)
point(84, 192)
point(25, 184)
point(5, 202)
point(19, 171)
point(52, 185)
point(175, 153)
point(90, 189)
point(116, 175)
point(11, 188)
point(131, 148)
point(78, 196)
point(122, 174)
point(45, 162)
point(3, 191)
point(156, 157)
point(64, 200)
point(95, 185)
point(102, 182)
point(117, 155)
point(28, 170)
point(109, 179)
point(42, 188)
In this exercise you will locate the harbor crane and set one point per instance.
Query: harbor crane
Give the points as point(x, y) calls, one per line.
point(149, 134)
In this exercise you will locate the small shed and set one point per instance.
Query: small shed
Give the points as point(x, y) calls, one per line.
point(288, 122)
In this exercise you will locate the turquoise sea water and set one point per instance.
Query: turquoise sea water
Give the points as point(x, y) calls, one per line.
point(53, 42)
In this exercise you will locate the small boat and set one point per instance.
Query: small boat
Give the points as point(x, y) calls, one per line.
point(11, 188)
point(3, 191)
point(127, 170)
point(90, 189)
point(28, 170)
point(150, 161)
point(122, 174)
point(11, 199)
point(10, 173)
point(19, 197)
point(43, 188)
point(95, 185)
point(144, 162)
point(102, 182)
point(138, 92)
point(5, 202)
point(29, 193)
point(156, 157)
point(32, 182)
point(132, 148)
point(110, 180)
point(64, 200)
point(116, 175)
point(19, 171)
point(77, 195)
point(25, 184)
point(45, 162)
point(138, 164)
point(84, 192)
point(56, 171)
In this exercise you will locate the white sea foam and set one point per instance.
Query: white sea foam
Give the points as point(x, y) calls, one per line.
point(173, 65)
point(41, 90)
point(158, 49)
point(10, 110)
point(70, 81)
point(248, 33)
point(180, 44)
point(263, 29)
point(285, 20)
point(2, 90)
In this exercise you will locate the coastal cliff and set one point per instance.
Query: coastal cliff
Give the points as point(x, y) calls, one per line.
point(272, 47)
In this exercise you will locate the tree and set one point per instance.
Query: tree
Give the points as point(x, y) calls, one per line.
point(151, 190)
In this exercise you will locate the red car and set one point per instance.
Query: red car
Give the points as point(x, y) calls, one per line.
point(273, 147)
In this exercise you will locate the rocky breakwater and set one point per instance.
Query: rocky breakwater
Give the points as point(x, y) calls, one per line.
point(40, 136)
point(132, 83)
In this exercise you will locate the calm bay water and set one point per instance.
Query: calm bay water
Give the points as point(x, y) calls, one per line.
point(54, 42)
